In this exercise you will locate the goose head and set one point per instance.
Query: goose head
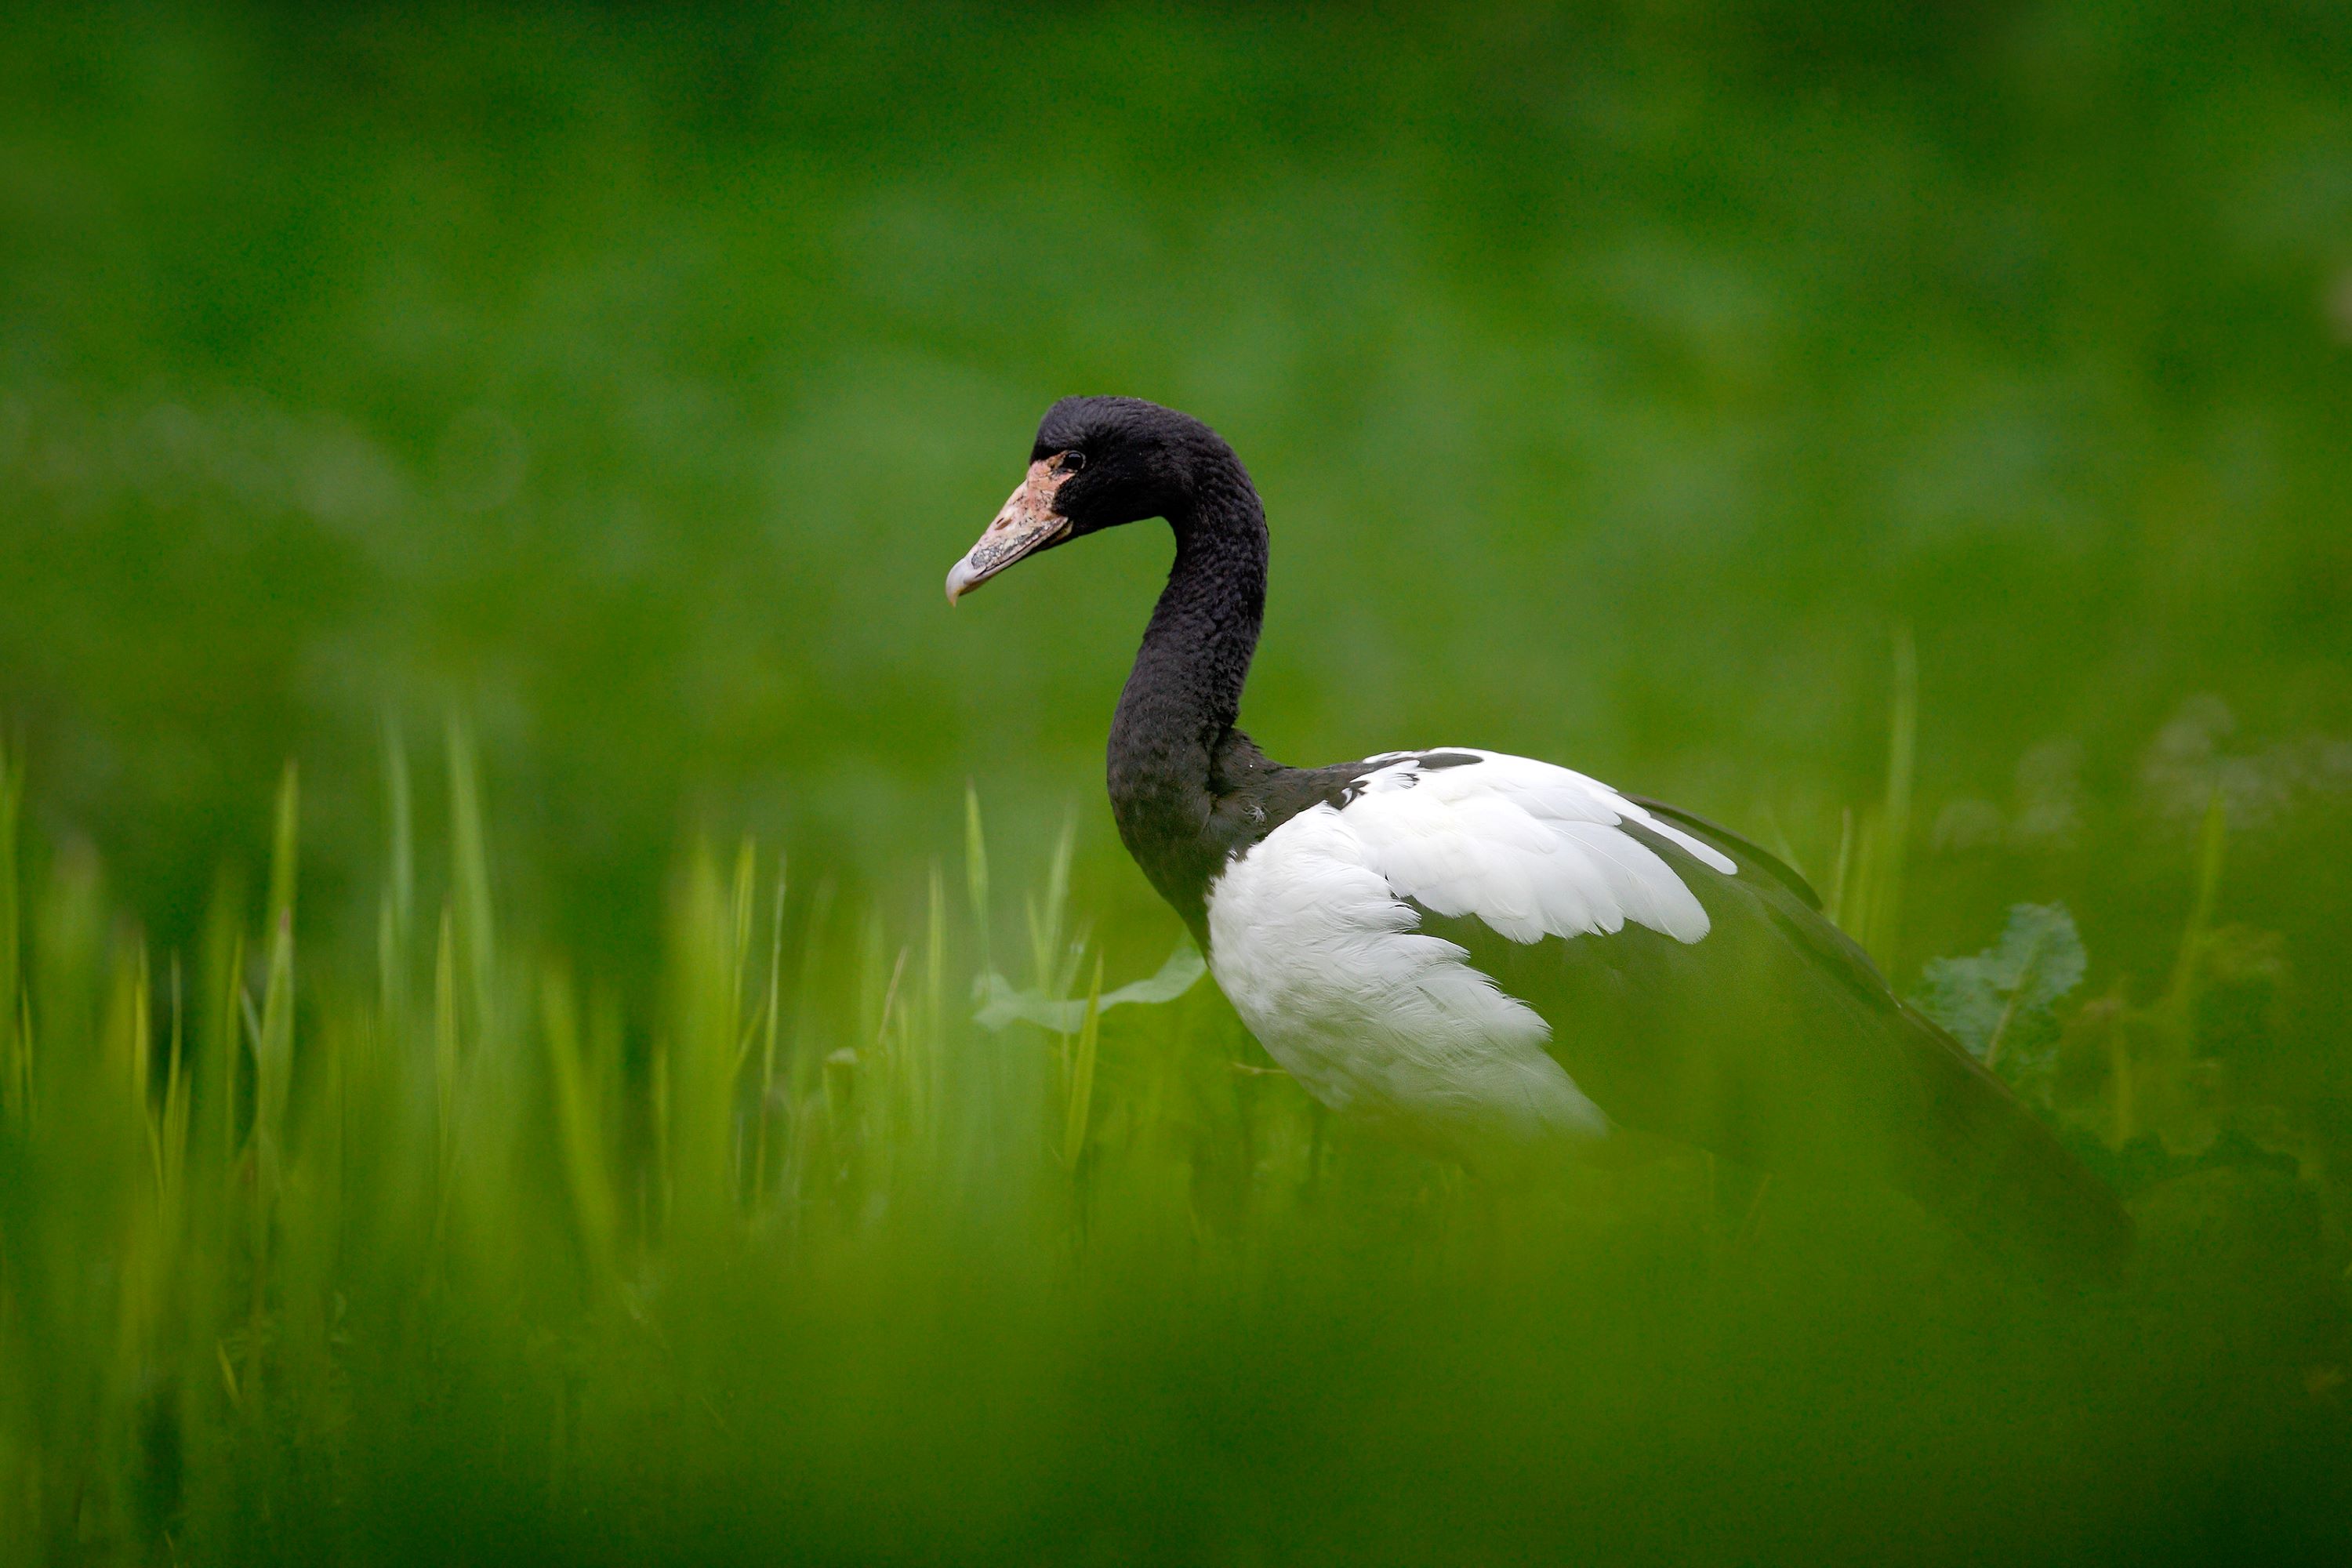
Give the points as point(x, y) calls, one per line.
point(1097, 463)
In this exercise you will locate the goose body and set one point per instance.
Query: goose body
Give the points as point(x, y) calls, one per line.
point(1493, 956)
point(1317, 933)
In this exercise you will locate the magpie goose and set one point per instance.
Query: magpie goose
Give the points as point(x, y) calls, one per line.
point(1493, 956)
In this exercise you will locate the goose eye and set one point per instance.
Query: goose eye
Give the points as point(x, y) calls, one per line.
point(1072, 462)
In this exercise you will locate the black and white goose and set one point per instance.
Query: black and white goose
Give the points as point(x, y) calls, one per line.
point(1496, 956)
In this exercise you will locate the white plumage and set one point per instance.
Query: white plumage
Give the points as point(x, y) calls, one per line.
point(1312, 939)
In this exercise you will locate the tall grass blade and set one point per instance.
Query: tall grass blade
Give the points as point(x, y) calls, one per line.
point(578, 1119)
point(1079, 1110)
point(274, 1046)
point(1866, 898)
point(141, 1080)
point(396, 913)
point(925, 1031)
point(220, 977)
point(808, 1022)
point(1049, 917)
point(739, 925)
point(1901, 750)
point(178, 1098)
point(1840, 898)
point(400, 811)
point(15, 1078)
point(445, 1055)
point(706, 959)
point(471, 879)
point(764, 1111)
point(975, 874)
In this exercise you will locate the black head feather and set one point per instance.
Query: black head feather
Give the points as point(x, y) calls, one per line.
point(1132, 460)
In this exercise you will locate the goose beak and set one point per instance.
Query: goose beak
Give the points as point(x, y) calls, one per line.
point(1027, 524)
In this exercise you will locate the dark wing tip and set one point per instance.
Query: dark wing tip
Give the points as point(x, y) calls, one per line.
point(1746, 850)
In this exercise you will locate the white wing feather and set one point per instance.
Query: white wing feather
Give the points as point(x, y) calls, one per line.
point(1311, 939)
point(1532, 849)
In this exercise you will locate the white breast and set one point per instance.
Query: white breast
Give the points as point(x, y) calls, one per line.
point(1311, 938)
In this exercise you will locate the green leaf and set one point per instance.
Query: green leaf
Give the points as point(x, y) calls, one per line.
point(1999, 1003)
point(1001, 1004)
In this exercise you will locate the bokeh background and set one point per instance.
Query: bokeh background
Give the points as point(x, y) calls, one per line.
point(1627, 384)
point(1619, 379)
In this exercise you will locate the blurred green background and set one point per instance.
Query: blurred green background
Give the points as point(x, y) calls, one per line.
point(1625, 384)
point(1619, 379)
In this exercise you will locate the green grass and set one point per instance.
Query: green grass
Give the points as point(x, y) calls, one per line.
point(454, 1259)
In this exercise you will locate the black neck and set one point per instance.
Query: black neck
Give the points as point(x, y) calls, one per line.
point(1173, 735)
